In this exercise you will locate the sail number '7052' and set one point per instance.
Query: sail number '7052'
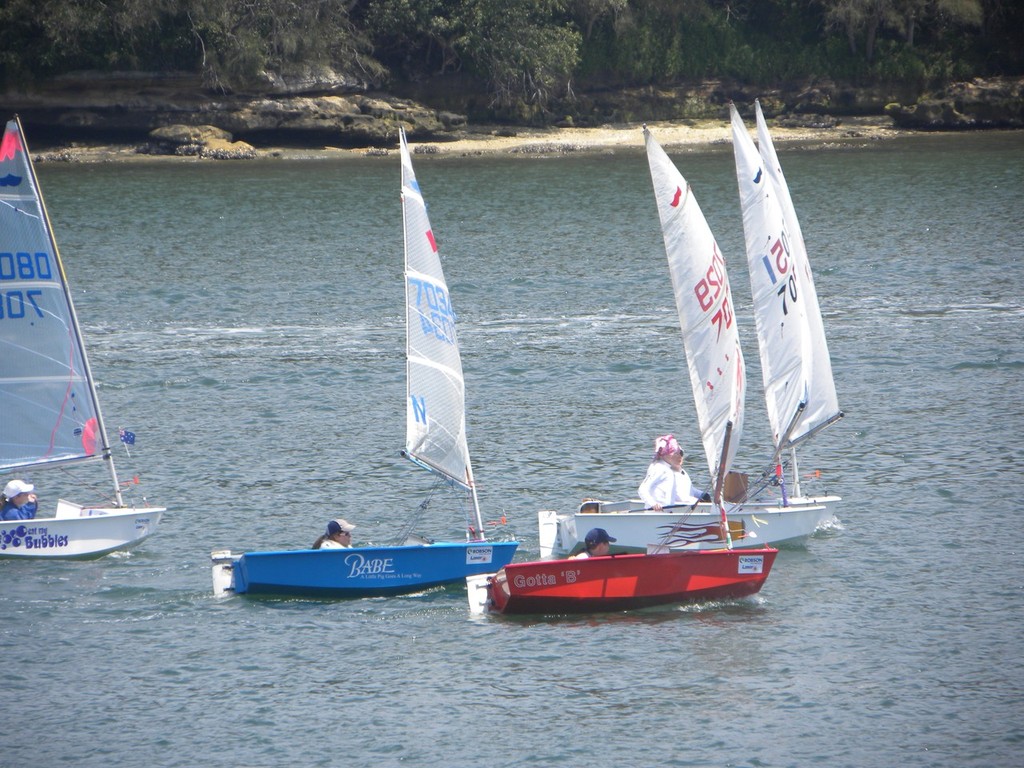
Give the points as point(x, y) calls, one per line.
point(436, 315)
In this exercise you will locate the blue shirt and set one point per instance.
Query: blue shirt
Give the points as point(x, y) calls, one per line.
point(26, 511)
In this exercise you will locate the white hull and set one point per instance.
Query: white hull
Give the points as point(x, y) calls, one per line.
point(78, 532)
point(754, 525)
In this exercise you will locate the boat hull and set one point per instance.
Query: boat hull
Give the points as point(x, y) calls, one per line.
point(359, 571)
point(93, 533)
point(754, 525)
point(624, 582)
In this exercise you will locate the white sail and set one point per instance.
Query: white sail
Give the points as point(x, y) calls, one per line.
point(705, 306)
point(49, 413)
point(777, 287)
point(822, 404)
point(435, 417)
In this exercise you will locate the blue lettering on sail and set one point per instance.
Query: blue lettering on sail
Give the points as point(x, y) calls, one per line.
point(13, 304)
point(435, 310)
point(25, 266)
point(419, 408)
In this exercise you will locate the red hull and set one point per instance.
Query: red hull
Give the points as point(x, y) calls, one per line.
point(622, 582)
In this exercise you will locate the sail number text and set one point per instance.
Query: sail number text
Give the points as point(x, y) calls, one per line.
point(779, 271)
point(712, 287)
point(16, 304)
point(437, 318)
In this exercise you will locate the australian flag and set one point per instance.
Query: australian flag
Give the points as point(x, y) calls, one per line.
point(128, 438)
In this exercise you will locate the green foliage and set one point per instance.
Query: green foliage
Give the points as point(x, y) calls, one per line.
point(45, 37)
point(524, 53)
point(525, 50)
point(417, 37)
point(240, 40)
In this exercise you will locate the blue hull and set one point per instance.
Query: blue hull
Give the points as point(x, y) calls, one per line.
point(367, 571)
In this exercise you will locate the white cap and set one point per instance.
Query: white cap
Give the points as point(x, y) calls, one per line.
point(339, 526)
point(15, 487)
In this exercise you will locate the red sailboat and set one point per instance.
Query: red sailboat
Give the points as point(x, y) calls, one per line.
point(623, 582)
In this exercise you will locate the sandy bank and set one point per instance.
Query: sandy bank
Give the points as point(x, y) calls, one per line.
point(529, 142)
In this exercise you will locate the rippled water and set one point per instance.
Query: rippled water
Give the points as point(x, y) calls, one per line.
point(245, 322)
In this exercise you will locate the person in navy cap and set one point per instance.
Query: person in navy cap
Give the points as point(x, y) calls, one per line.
point(598, 543)
point(337, 536)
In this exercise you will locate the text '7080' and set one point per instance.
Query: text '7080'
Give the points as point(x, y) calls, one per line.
point(16, 304)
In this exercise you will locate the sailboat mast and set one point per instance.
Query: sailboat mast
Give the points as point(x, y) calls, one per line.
point(720, 482)
point(796, 472)
point(476, 511)
point(76, 329)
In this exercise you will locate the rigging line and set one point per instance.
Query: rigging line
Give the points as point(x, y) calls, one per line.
point(93, 487)
point(415, 519)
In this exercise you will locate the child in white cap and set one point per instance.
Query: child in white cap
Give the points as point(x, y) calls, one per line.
point(18, 501)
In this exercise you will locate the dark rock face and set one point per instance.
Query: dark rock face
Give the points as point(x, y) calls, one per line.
point(709, 100)
point(997, 103)
point(129, 108)
point(325, 109)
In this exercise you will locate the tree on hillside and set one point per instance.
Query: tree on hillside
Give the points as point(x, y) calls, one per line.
point(240, 41)
point(528, 52)
point(525, 50)
point(863, 20)
point(589, 12)
point(233, 43)
point(39, 37)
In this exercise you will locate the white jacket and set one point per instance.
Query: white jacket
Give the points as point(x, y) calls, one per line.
point(666, 487)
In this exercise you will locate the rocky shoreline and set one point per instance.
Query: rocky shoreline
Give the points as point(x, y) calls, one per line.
point(495, 140)
point(90, 118)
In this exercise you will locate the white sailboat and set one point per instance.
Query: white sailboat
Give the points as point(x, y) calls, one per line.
point(800, 392)
point(435, 440)
point(49, 412)
point(798, 383)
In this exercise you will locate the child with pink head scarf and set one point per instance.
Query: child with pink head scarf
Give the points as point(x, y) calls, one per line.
point(666, 483)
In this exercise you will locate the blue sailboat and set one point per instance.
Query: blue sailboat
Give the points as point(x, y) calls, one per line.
point(435, 441)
